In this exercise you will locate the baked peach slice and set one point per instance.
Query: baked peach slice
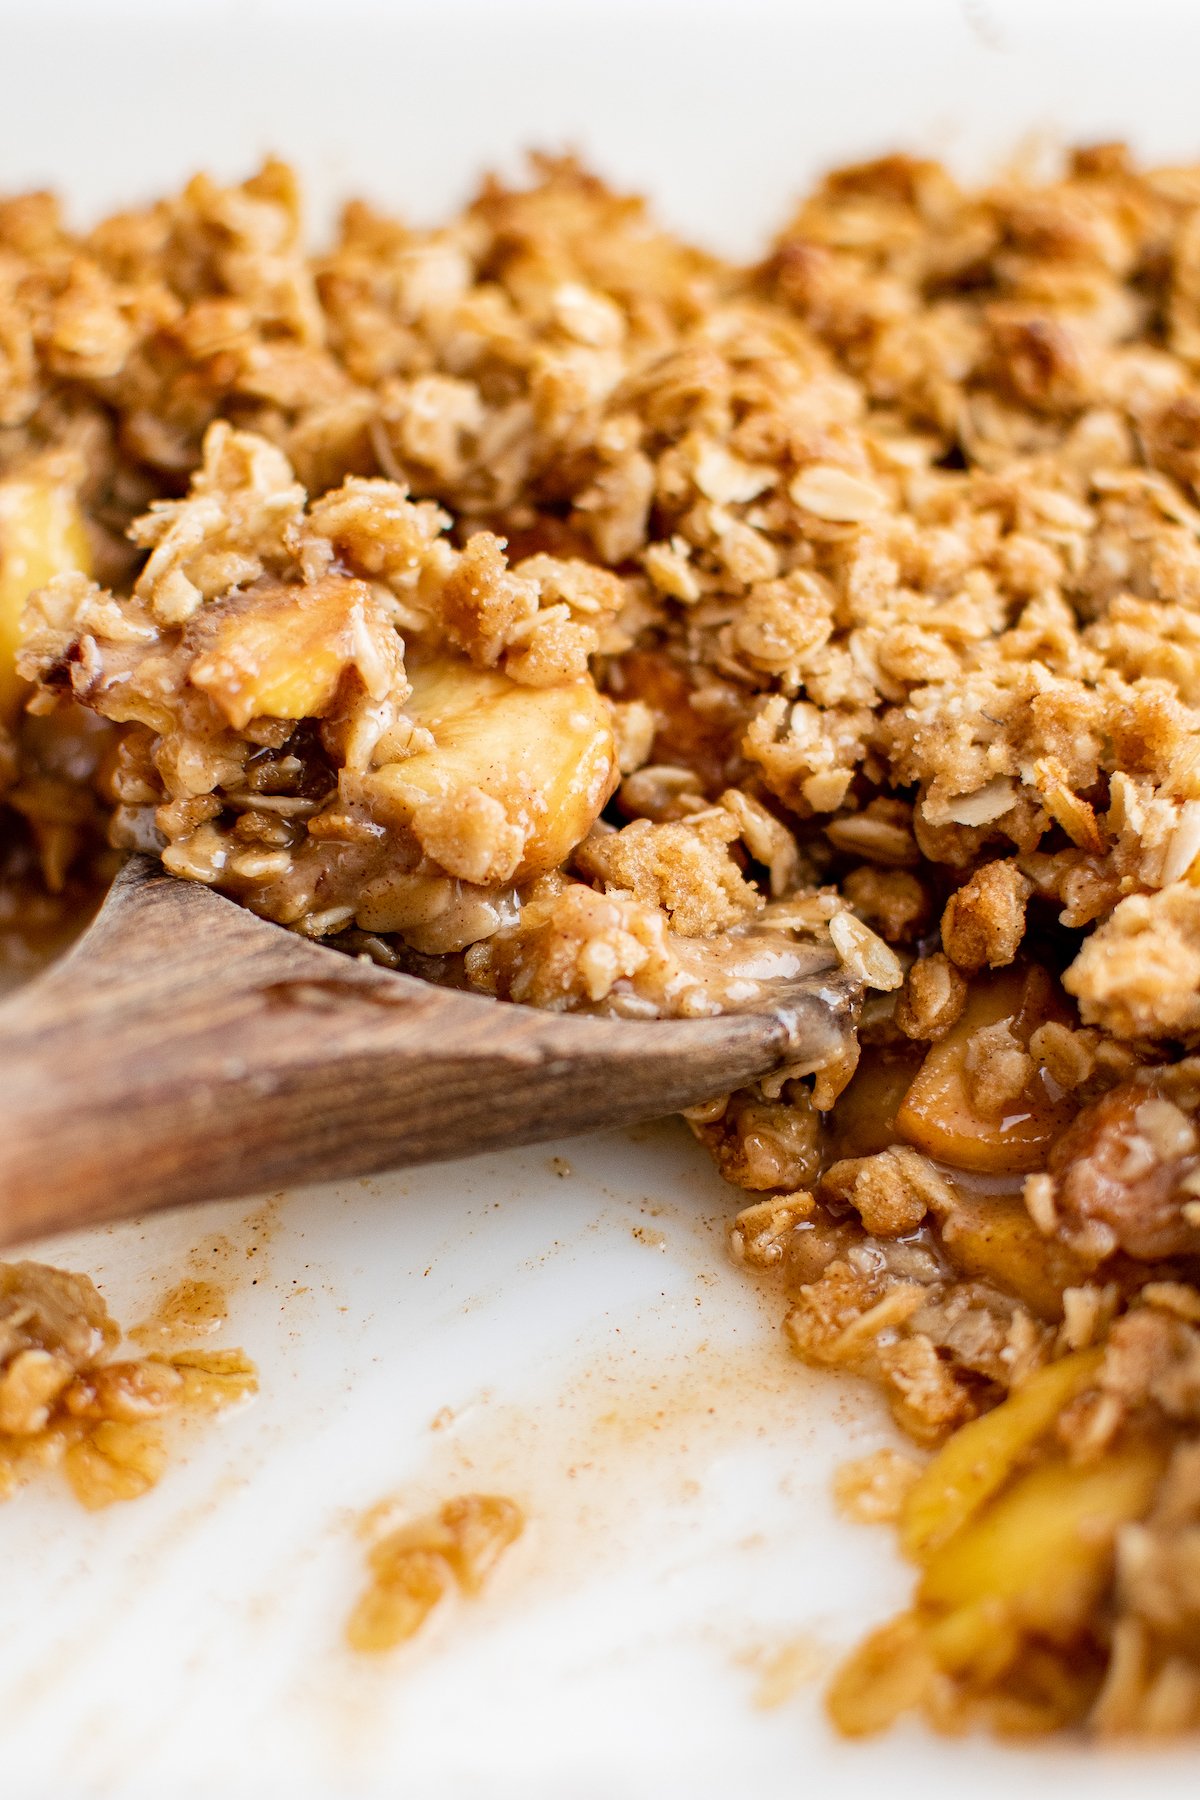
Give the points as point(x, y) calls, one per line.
point(42, 534)
point(978, 1101)
point(513, 779)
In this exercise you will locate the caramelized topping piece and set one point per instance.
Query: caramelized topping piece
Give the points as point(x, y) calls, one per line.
point(65, 1399)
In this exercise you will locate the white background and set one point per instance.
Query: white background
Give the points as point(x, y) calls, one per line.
point(632, 1392)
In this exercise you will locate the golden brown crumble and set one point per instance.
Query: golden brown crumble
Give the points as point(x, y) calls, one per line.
point(933, 998)
point(66, 1398)
point(984, 920)
point(414, 1567)
point(542, 603)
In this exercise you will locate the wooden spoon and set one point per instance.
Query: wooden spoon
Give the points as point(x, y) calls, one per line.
point(185, 1050)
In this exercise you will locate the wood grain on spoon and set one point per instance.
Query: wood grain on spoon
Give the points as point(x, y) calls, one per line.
point(185, 1050)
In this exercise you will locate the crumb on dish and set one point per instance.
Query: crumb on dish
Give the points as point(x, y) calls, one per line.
point(414, 1568)
point(68, 1400)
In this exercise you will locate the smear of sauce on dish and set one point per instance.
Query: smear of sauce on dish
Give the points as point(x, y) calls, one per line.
point(191, 1309)
point(626, 1433)
point(786, 1670)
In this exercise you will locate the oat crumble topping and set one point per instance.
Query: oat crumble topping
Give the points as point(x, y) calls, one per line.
point(543, 604)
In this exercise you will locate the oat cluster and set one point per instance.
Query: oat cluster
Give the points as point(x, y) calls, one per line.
point(416, 1567)
point(69, 1401)
point(546, 605)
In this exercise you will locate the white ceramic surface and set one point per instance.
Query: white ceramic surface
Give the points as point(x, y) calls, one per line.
point(598, 1357)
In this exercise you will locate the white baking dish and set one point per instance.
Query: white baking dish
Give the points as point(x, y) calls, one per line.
point(596, 1354)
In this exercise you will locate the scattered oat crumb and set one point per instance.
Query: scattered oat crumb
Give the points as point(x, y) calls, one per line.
point(645, 1234)
point(67, 1399)
point(414, 1567)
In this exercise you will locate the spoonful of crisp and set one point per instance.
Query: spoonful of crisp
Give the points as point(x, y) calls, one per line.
point(328, 711)
point(185, 1050)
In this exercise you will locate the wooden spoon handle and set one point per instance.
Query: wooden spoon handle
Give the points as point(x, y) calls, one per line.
point(185, 1050)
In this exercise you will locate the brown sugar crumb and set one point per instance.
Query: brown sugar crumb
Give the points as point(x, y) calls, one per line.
point(685, 868)
point(891, 1191)
point(415, 1567)
point(893, 901)
point(1138, 975)
point(933, 998)
point(1068, 1056)
point(997, 1069)
point(66, 1399)
point(759, 1234)
point(984, 922)
point(765, 1145)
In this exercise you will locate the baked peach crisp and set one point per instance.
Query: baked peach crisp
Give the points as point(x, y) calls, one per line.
point(542, 604)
